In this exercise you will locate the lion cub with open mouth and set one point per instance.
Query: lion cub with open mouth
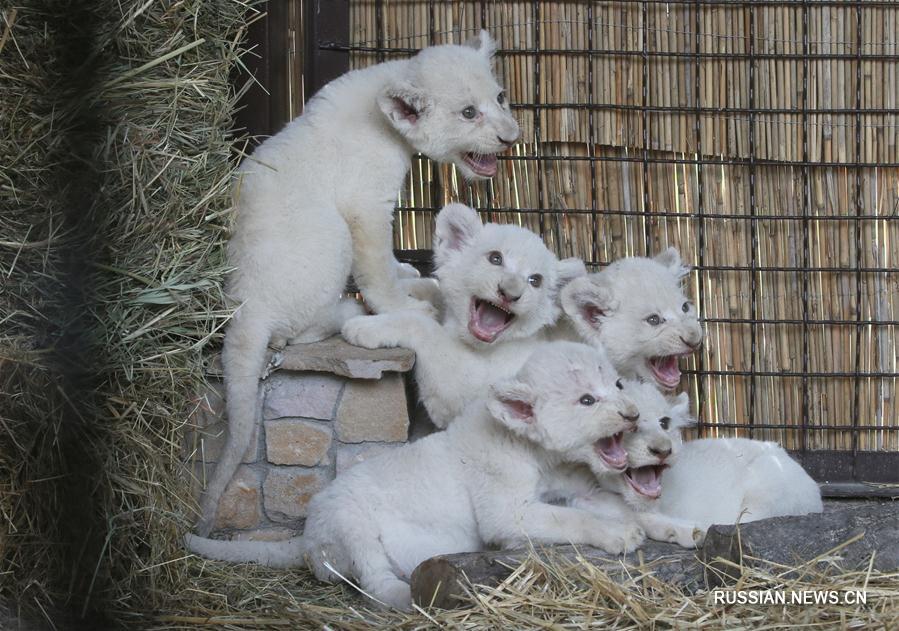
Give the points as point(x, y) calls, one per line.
point(636, 309)
point(499, 286)
point(478, 483)
point(630, 492)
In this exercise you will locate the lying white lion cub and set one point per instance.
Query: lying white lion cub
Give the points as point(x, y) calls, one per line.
point(499, 286)
point(675, 491)
point(478, 483)
point(730, 480)
point(636, 309)
point(631, 495)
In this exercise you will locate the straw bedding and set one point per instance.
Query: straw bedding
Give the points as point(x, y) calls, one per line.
point(115, 191)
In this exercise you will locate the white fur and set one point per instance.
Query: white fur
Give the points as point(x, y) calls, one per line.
point(315, 203)
point(611, 309)
point(731, 480)
point(452, 366)
point(478, 483)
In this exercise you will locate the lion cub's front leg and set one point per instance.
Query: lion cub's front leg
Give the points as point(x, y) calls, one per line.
point(375, 270)
point(406, 329)
point(548, 524)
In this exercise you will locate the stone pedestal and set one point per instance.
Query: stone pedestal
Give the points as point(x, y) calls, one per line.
point(324, 407)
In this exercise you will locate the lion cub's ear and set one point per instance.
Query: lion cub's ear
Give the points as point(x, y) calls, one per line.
point(457, 226)
point(483, 43)
point(404, 106)
point(569, 269)
point(680, 410)
point(586, 300)
point(670, 258)
point(512, 404)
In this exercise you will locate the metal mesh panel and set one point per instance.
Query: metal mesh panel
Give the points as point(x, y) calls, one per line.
point(760, 138)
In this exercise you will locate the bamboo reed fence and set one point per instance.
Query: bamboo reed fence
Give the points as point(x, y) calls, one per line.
point(759, 138)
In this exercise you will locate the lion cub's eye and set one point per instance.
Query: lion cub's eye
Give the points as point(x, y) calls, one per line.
point(535, 280)
point(619, 385)
point(587, 400)
point(664, 422)
point(686, 307)
point(654, 320)
point(469, 112)
point(495, 258)
point(501, 97)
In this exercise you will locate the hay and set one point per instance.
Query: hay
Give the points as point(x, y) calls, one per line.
point(541, 593)
point(121, 137)
point(33, 242)
point(166, 107)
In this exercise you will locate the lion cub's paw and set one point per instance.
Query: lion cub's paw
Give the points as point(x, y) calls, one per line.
point(621, 538)
point(698, 537)
point(374, 331)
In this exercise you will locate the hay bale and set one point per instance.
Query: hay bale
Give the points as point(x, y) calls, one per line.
point(164, 105)
point(33, 243)
point(117, 158)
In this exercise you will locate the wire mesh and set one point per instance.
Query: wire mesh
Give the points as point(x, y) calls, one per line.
point(760, 138)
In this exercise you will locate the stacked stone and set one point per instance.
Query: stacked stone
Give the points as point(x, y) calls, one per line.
point(326, 407)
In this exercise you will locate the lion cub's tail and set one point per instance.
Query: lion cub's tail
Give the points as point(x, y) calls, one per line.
point(277, 554)
point(244, 359)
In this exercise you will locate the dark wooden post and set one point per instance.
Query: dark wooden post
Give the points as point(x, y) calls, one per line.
point(326, 38)
point(265, 107)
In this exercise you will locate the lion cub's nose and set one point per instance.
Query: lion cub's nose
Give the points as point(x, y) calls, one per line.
point(510, 141)
point(633, 417)
point(694, 342)
point(661, 454)
point(507, 295)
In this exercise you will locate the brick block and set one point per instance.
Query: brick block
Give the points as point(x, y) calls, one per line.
point(287, 491)
point(307, 395)
point(349, 455)
point(239, 506)
point(373, 411)
point(297, 442)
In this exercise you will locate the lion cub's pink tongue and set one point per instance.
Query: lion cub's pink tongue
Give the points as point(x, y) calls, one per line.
point(647, 478)
point(611, 450)
point(488, 321)
point(666, 370)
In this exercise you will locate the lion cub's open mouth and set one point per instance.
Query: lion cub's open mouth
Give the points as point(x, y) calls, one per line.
point(611, 451)
point(647, 481)
point(665, 370)
point(486, 320)
point(481, 163)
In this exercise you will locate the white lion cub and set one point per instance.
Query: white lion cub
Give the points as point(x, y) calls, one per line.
point(632, 495)
point(731, 480)
point(499, 287)
point(705, 482)
point(636, 309)
point(303, 225)
point(478, 483)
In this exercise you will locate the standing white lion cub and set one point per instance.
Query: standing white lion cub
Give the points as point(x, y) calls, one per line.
point(499, 286)
point(315, 202)
point(478, 483)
